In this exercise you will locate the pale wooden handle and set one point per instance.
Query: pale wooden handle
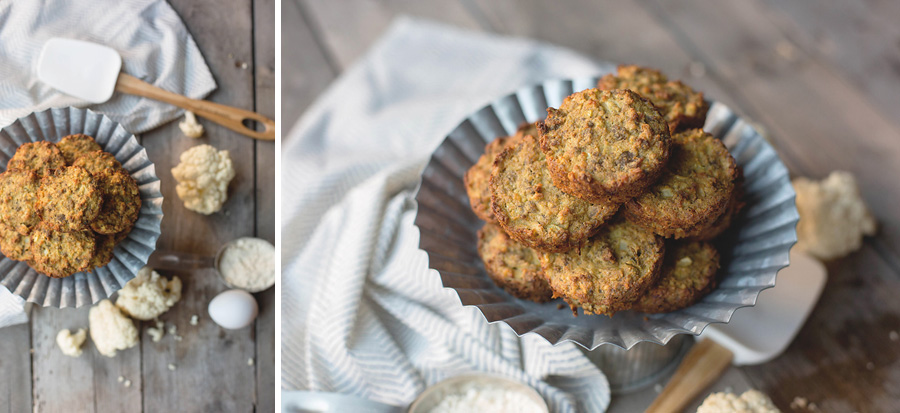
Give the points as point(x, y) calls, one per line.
point(227, 116)
point(700, 367)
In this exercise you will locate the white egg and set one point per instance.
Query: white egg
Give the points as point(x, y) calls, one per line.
point(233, 309)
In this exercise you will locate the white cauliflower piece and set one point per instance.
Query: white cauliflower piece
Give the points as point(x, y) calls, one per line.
point(833, 216)
point(752, 401)
point(148, 295)
point(69, 343)
point(110, 329)
point(190, 127)
point(203, 176)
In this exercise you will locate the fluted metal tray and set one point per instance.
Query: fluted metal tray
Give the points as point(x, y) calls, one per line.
point(129, 255)
point(754, 249)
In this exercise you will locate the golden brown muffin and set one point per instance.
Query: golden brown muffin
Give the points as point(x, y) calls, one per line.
point(478, 178)
point(604, 146)
point(608, 273)
point(692, 193)
point(74, 146)
point(103, 251)
point(512, 266)
point(61, 254)
point(681, 106)
point(732, 210)
point(121, 201)
point(688, 273)
point(97, 161)
point(40, 157)
point(120, 236)
point(14, 245)
point(18, 199)
point(532, 210)
point(69, 199)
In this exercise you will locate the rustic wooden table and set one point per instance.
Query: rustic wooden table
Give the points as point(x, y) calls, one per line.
point(822, 78)
point(212, 372)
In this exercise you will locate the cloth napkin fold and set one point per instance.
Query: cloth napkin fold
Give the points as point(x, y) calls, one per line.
point(154, 44)
point(362, 313)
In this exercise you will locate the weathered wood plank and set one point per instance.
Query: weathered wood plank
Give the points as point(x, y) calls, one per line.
point(15, 363)
point(89, 382)
point(305, 69)
point(211, 363)
point(349, 28)
point(264, 69)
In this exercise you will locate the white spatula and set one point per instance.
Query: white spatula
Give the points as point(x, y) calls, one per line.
point(754, 335)
point(91, 72)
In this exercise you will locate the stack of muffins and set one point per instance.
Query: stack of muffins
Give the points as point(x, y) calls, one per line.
point(610, 202)
point(65, 206)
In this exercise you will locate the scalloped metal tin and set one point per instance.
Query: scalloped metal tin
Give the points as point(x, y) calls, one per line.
point(753, 250)
point(129, 255)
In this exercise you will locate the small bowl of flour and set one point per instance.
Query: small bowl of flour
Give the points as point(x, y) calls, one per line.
point(479, 393)
point(248, 264)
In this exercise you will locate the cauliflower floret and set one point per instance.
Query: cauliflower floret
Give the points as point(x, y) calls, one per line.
point(190, 127)
point(752, 401)
point(69, 343)
point(110, 329)
point(203, 176)
point(833, 216)
point(148, 295)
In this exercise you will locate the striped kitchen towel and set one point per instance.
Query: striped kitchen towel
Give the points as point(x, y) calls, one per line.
point(148, 34)
point(361, 312)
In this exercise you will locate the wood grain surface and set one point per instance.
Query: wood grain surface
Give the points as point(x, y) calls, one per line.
point(209, 369)
point(821, 78)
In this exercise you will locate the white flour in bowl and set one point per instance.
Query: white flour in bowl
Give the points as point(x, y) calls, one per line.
point(248, 264)
point(485, 397)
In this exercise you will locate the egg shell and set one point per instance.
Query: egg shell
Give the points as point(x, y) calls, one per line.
point(233, 309)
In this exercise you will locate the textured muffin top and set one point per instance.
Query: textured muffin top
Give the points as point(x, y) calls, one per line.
point(513, 266)
point(680, 105)
point(604, 145)
point(688, 272)
point(609, 272)
point(478, 178)
point(532, 210)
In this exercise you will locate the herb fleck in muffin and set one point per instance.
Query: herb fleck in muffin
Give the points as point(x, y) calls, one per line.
point(681, 106)
point(18, 196)
point(14, 245)
point(688, 273)
point(532, 210)
point(121, 201)
point(61, 254)
point(478, 178)
point(97, 161)
point(608, 273)
point(40, 157)
point(693, 192)
point(604, 146)
point(513, 266)
point(69, 199)
point(74, 146)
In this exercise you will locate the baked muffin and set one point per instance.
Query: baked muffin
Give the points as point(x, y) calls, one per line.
point(688, 273)
point(97, 161)
point(532, 210)
point(512, 266)
point(61, 254)
point(478, 178)
point(14, 245)
point(121, 201)
point(74, 146)
point(608, 273)
point(18, 199)
point(732, 210)
point(604, 146)
point(69, 199)
point(681, 106)
point(693, 192)
point(40, 157)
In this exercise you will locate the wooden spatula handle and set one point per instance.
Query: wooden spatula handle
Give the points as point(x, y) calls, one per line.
point(701, 366)
point(227, 116)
